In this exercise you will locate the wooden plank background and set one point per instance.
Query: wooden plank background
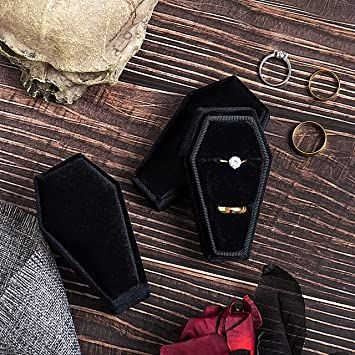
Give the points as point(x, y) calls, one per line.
point(307, 220)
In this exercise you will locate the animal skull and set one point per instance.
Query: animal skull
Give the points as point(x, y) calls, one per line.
point(64, 46)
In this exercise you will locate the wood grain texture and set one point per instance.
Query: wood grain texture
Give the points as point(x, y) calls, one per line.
point(307, 220)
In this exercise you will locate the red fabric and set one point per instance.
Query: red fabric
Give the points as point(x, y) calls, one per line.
point(219, 331)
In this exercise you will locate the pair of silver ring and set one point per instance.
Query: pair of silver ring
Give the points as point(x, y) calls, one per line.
point(279, 55)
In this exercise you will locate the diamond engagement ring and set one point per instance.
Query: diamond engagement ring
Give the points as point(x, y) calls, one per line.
point(279, 55)
point(234, 162)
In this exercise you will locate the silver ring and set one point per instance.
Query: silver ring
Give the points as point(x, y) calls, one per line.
point(279, 55)
point(234, 162)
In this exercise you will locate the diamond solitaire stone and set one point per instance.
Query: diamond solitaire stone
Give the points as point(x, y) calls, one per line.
point(235, 162)
point(280, 55)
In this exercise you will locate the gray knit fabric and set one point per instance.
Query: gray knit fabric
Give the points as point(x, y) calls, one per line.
point(34, 312)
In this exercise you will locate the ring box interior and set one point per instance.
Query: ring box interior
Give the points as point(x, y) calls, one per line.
point(161, 175)
point(82, 214)
point(221, 134)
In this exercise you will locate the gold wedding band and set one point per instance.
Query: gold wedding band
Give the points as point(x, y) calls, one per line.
point(314, 124)
point(322, 98)
point(232, 210)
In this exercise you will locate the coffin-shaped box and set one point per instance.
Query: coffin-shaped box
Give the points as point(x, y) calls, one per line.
point(220, 183)
point(82, 214)
point(161, 175)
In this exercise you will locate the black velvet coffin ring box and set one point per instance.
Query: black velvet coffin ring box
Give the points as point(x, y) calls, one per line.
point(82, 214)
point(161, 175)
point(220, 135)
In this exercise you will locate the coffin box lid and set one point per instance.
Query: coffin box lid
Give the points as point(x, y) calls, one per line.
point(82, 214)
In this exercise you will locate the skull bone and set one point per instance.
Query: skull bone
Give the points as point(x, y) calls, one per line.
point(64, 46)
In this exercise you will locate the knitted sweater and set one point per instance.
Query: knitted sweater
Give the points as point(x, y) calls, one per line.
point(34, 312)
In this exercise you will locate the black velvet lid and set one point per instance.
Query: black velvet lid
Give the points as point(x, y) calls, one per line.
point(221, 134)
point(82, 214)
point(161, 176)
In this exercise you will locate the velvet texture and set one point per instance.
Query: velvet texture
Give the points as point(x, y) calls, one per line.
point(161, 177)
point(82, 214)
point(221, 134)
point(219, 332)
point(280, 301)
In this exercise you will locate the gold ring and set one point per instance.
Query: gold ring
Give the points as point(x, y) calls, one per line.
point(309, 123)
point(232, 210)
point(321, 98)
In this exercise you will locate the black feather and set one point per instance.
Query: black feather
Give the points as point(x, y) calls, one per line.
point(281, 304)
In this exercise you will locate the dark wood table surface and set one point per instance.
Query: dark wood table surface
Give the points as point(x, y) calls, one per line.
point(307, 219)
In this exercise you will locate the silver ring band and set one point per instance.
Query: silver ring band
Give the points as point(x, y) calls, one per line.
point(279, 55)
point(234, 162)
